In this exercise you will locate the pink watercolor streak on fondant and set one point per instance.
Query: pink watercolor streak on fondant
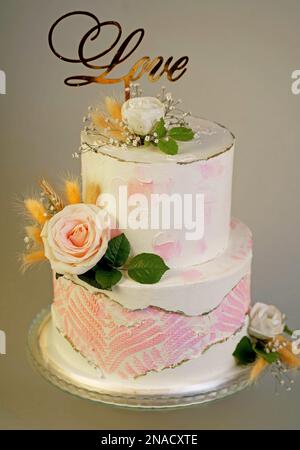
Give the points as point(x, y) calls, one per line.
point(201, 246)
point(141, 175)
point(168, 250)
point(191, 275)
point(136, 186)
point(211, 168)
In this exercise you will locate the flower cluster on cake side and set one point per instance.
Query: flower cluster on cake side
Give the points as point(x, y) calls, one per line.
point(270, 343)
point(76, 237)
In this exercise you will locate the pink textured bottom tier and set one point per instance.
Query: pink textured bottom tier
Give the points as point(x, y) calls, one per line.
point(132, 343)
point(137, 330)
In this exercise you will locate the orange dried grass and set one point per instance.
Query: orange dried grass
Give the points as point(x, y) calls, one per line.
point(72, 192)
point(32, 257)
point(34, 233)
point(92, 193)
point(113, 108)
point(285, 354)
point(258, 367)
point(288, 357)
point(36, 210)
point(52, 195)
point(108, 122)
point(99, 120)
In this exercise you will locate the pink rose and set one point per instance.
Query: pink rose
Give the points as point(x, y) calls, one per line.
point(76, 238)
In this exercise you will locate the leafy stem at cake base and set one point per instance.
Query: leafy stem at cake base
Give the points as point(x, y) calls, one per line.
point(266, 346)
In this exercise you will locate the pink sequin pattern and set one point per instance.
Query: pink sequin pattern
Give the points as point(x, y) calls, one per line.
point(131, 343)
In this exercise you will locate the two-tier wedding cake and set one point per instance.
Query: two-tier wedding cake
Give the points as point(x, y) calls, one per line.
point(151, 272)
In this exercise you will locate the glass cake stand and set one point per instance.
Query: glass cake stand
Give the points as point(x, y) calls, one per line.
point(64, 377)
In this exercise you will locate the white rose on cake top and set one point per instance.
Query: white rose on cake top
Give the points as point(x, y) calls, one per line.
point(140, 114)
point(266, 321)
point(76, 238)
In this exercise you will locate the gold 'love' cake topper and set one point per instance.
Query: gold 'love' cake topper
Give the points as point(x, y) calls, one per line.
point(155, 68)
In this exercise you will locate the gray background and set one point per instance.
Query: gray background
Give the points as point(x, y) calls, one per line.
point(242, 55)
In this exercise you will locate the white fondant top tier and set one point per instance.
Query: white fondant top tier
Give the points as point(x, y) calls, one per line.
point(211, 139)
point(202, 166)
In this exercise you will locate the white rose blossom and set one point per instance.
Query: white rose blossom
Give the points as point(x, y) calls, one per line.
point(76, 238)
point(141, 113)
point(266, 321)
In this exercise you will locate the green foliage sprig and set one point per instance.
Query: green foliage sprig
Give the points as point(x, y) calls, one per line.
point(166, 139)
point(146, 268)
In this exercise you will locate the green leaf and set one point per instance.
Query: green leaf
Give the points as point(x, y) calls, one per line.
point(160, 129)
point(168, 146)
point(117, 251)
point(147, 268)
point(107, 277)
point(244, 351)
point(288, 331)
point(181, 133)
point(271, 357)
point(89, 278)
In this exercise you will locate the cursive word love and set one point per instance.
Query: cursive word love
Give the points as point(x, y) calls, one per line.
point(154, 68)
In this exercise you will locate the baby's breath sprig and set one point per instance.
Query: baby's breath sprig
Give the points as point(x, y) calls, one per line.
point(174, 116)
point(135, 90)
point(281, 376)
